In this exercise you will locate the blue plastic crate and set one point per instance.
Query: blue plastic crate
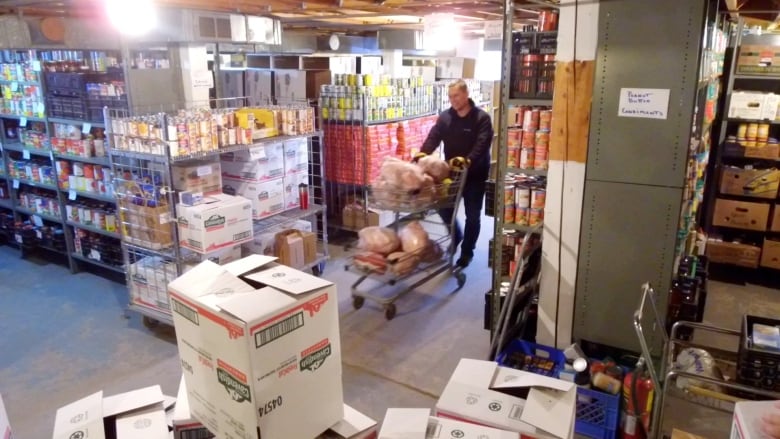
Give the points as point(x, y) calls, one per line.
point(528, 348)
point(598, 414)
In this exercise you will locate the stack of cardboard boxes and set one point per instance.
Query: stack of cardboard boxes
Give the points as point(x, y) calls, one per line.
point(760, 215)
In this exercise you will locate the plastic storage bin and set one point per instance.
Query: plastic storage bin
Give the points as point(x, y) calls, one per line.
point(598, 414)
point(554, 356)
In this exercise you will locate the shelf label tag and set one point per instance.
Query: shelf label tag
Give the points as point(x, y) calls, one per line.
point(204, 170)
point(14, 87)
point(72, 195)
point(23, 122)
point(38, 221)
point(257, 153)
point(36, 65)
point(85, 129)
point(39, 234)
point(16, 184)
point(94, 254)
point(18, 238)
point(26, 154)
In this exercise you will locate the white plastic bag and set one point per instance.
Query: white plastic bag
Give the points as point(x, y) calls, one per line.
point(401, 175)
point(413, 237)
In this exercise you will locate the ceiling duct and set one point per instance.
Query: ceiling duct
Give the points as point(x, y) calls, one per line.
point(400, 40)
point(14, 32)
point(347, 44)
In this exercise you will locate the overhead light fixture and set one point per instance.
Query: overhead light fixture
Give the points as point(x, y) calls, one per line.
point(135, 17)
point(440, 32)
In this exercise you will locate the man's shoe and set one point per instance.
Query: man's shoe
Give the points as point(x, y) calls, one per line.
point(464, 261)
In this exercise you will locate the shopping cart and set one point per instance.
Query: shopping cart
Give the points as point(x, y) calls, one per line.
point(697, 389)
point(425, 264)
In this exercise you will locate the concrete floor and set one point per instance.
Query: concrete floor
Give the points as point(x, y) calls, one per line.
point(65, 336)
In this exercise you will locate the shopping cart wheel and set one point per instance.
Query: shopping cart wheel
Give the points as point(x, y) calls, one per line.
point(461, 278)
point(390, 311)
point(357, 302)
point(151, 323)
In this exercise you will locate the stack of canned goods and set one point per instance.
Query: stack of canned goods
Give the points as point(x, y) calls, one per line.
point(528, 141)
point(524, 200)
point(754, 135)
point(358, 98)
point(35, 170)
point(84, 177)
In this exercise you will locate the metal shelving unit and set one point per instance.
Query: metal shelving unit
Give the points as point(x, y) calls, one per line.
point(96, 262)
point(102, 161)
point(531, 102)
point(539, 172)
point(18, 147)
point(723, 159)
point(147, 209)
point(92, 229)
point(75, 122)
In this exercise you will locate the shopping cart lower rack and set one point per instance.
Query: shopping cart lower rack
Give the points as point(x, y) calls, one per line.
point(422, 265)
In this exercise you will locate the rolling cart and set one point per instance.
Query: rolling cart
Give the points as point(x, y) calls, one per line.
point(666, 379)
point(421, 207)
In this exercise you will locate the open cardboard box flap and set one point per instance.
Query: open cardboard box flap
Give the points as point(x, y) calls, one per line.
point(136, 399)
point(247, 306)
point(550, 405)
point(419, 424)
point(289, 280)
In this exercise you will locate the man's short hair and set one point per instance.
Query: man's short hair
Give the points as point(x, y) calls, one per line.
point(459, 84)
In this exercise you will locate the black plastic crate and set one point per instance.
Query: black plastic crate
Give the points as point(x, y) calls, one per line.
point(67, 107)
point(756, 366)
point(66, 84)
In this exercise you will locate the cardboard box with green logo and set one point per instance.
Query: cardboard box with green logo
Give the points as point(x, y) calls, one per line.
point(221, 221)
point(259, 347)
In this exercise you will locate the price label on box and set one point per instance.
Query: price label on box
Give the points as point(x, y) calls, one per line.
point(26, 154)
point(36, 65)
point(16, 184)
point(23, 122)
point(85, 129)
point(204, 170)
point(18, 238)
point(257, 153)
point(72, 195)
point(14, 87)
point(38, 221)
point(94, 254)
point(39, 234)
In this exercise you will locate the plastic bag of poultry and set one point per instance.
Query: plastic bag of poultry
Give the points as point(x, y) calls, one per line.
point(378, 240)
point(371, 262)
point(699, 362)
point(436, 168)
point(401, 175)
point(431, 253)
point(413, 238)
point(402, 263)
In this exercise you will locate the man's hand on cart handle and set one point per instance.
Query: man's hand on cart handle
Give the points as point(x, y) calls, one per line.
point(771, 423)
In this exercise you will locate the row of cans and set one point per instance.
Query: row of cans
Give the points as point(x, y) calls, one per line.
point(92, 214)
point(530, 118)
point(528, 149)
point(89, 147)
point(39, 203)
point(369, 80)
point(23, 106)
point(19, 72)
point(524, 201)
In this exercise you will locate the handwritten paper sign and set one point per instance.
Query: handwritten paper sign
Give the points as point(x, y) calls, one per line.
point(647, 103)
point(494, 30)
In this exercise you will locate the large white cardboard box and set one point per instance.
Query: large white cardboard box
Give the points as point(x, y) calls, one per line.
point(85, 418)
point(548, 412)
point(419, 424)
point(184, 425)
point(747, 422)
point(260, 349)
point(260, 163)
point(267, 197)
point(221, 221)
point(296, 156)
point(5, 423)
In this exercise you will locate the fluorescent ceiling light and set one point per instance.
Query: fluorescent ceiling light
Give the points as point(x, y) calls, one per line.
point(132, 17)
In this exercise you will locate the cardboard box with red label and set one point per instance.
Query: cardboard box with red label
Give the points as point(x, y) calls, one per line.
point(255, 165)
point(202, 177)
point(296, 156)
point(747, 421)
point(260, 341)
point(221, 221)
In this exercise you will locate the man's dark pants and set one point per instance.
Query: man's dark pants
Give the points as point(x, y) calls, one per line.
point(473, 198)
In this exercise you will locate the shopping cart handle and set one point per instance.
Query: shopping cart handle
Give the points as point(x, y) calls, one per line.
point(459, 163)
